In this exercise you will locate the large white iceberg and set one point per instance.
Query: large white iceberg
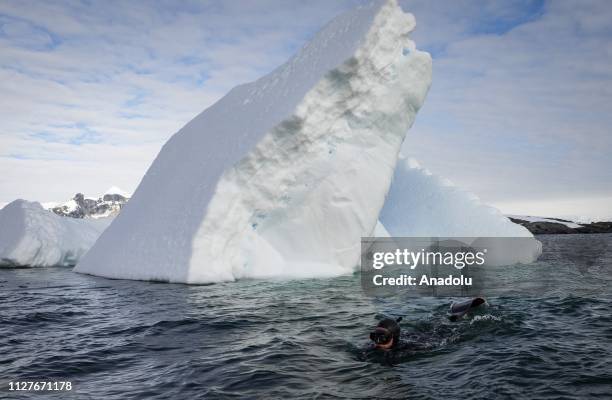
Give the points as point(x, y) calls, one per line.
point(284, 175)
point(31, 236)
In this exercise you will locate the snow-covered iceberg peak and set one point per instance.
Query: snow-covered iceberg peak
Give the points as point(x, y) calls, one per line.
point(282, 176)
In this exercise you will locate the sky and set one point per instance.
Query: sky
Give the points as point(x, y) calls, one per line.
point(519, 111)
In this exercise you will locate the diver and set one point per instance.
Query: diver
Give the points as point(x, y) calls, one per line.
point(458, 310)
point(387, 334)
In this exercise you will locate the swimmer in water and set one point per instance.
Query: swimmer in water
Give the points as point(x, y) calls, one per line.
point(386, 335)
point(458, 310)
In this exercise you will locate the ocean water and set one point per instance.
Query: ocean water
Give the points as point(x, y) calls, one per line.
point(309, 339)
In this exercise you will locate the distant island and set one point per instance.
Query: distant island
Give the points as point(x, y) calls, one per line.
point(540, 225)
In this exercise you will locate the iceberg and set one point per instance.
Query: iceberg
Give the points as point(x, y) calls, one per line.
point(31, 236)
point(421, 204)
point(284, 175)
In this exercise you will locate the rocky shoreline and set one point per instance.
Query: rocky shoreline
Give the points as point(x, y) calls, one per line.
point(561, 226)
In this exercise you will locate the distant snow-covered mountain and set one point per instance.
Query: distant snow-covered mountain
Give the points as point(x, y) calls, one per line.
point(109, 204)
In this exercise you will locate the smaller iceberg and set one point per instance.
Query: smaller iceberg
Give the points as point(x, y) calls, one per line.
point(421, 204)
point(31, 236)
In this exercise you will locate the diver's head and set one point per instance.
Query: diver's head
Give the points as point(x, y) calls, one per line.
point(382, 338)
point(386, 335)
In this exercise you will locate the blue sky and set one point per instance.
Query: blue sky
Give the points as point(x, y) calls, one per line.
point(519, 111)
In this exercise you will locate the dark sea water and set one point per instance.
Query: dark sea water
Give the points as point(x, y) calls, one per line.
point(308, 339)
